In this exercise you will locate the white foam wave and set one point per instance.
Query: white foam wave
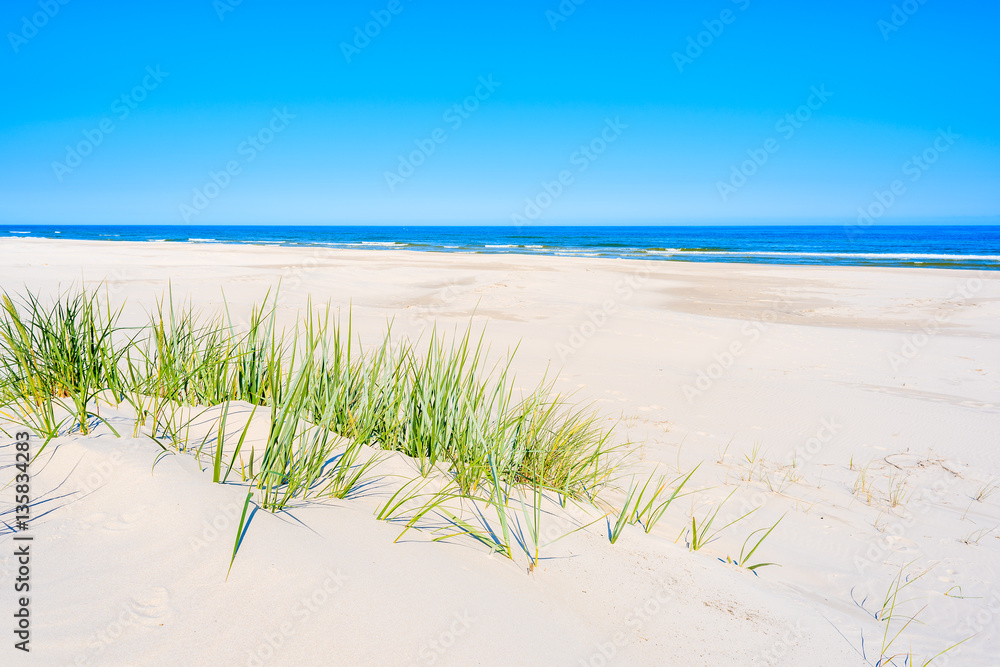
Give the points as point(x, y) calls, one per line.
point(847, 255)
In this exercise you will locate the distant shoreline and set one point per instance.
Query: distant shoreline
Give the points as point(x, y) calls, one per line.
point(952, 247)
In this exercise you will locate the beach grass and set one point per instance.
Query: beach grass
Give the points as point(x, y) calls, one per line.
point(441, 402)
point(58, 356)
point(488, 454)
point(701, 531)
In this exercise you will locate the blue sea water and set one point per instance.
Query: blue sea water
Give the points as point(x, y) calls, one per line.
point(967, 247)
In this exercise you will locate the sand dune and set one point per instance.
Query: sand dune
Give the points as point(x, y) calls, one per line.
point(860, 404)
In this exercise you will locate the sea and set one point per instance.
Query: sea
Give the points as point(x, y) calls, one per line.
point(930, 246)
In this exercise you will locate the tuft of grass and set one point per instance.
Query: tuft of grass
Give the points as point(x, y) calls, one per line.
point(897, 489)
point(347, 473)
point(626, 513)
point(239, 532)
point(746, 554)
point(648, 513)
point(532, 515)
point(495, 536)
point(752, 464)
point(722, 452)
point(976, 536)
point(863, 488)
point(987, 490)
point(491, 518)
point(393, 508)
point(58, 358)
point(896, 622)
point(701, 532)
point(776, 484)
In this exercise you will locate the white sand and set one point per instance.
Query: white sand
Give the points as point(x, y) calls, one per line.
point(128, 568)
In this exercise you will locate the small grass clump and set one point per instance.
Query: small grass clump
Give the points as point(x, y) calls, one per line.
point(647, 504)
point(863, 487)
point(701, 532)
point(987, 490)
point(747, 553)
point(891, 614)
point(56, 359)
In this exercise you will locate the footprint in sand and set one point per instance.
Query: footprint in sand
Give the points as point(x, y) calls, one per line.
point(113, 523)
point(152, 609)
point(91, 521)
point(900, 545)
point(126, 520)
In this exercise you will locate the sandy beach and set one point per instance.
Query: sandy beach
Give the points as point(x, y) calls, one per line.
point(860, 406)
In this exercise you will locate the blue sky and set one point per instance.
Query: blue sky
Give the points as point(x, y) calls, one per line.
point(632, 112)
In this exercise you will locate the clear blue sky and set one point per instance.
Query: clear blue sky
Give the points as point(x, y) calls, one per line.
point(674, 126)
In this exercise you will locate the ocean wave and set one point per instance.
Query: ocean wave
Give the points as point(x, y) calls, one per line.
point(845, 255)
point(937, 247)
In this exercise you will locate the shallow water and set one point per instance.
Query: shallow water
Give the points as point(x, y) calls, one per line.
point(967, 247)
